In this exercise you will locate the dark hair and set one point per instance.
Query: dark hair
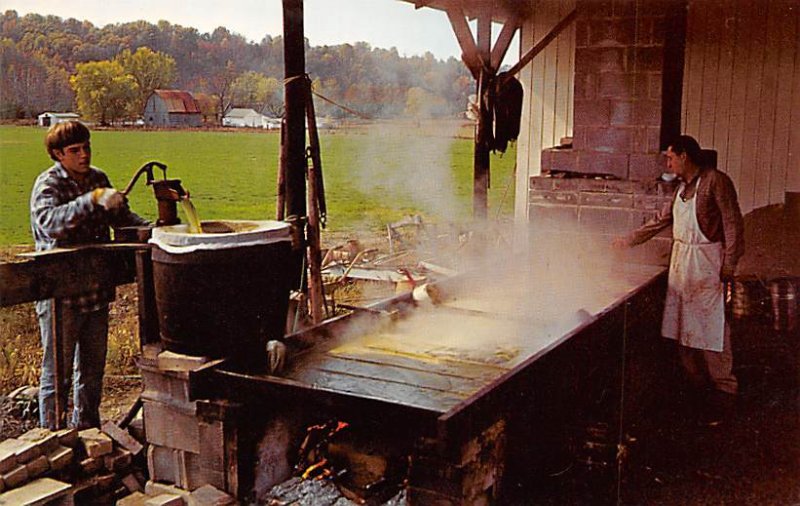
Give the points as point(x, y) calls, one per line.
point(64, 134)
point(687, 144)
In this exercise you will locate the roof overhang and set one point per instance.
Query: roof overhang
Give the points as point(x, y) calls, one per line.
point(499, 10)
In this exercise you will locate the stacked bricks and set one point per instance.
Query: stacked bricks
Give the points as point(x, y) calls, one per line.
point(68, 467)
point(191, 442)
point(603, 208)
point(619, 70)
point(471, 473)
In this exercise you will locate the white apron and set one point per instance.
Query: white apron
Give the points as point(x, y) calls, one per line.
point(694, 313)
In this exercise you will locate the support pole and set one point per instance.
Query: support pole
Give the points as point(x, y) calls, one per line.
point(58, 361)
point(293, 149)
point(481, 161)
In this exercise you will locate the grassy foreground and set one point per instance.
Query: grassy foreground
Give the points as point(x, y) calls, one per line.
point(373, 175)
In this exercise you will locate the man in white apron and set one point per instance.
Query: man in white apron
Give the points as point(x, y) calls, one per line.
point(707, 232)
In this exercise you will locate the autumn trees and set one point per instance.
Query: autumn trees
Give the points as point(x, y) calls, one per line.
point(47, 63)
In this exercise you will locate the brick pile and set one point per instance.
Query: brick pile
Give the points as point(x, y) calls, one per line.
point(69, 467)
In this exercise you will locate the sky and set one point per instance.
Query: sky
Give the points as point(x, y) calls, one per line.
point(381, 23)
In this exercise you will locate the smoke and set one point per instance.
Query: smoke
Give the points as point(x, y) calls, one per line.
point(507, 306)
point(410, 163)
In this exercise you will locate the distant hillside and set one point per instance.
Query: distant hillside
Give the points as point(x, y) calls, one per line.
point(39, 53)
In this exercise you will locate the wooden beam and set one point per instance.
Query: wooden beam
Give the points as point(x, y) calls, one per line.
point(65, 273)
point(469, 51)
point(532, 52)
point(503, 42)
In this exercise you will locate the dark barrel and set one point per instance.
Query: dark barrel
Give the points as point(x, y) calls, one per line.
point(224, 303)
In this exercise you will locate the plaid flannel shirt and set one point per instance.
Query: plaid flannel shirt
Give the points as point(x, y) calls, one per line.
point(63, 215)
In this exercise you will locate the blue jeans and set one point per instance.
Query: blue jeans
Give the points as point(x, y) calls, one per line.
point(84, 345)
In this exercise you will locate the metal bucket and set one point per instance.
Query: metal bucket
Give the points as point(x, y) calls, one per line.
point(223, 298)
point(783, 295)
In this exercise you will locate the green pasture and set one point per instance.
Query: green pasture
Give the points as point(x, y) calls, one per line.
point(373, 175)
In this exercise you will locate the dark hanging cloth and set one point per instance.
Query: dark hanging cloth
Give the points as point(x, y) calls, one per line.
point(507, 110)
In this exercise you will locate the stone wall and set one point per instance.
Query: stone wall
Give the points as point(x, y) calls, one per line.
point(601, 207)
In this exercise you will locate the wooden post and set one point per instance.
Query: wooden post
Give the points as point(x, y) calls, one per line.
point(481, 161)
point(280, 205)
point(316, 293)
point(293, 150)
point(58, 360)
point(148, 315)
point(294, 147)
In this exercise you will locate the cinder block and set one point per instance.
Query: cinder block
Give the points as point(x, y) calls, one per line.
point(91, 465)
point(165, 500)
point(60, 458)
point(597, 162)
point(646, 166)
point(104, 482)
point(41, 491)
point(153, 489)
point(95, 442)
point(600, 60)
point(606, 199)
point(38, 466)
point(562, 160)
point(593, 112)
point(616, 85)
point(553, 197)
point(208, 495)
point(190, 473)
point(135, 499)
point(610, 139)
point(44, 438)
point(132, 483)
point(8, 455)
point(122, 437)
point(24, 451)
point(602, 220)
point(16, 477)
point(118, 460)
point(171, 426)
point(68, 437)
point(162, 464)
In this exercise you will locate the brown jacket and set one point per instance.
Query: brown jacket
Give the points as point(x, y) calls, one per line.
point(718, 215)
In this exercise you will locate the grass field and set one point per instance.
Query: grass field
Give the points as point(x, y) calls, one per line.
point(373, 174)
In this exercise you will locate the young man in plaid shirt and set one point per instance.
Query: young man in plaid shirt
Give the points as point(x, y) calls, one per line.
point(73, 203)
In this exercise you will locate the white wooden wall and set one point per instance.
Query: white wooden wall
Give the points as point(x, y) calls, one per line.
point(548, 84)
point(741, 92)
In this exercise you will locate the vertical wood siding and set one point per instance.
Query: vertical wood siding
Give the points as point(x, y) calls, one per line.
point(548, 84)
point(741, 92)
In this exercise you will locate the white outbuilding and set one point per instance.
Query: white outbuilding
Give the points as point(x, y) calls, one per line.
point(48, 119)
point(240, 117)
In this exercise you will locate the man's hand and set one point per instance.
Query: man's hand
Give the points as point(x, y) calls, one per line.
point(108, 198)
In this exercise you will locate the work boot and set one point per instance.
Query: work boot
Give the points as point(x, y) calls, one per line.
point(719, 408)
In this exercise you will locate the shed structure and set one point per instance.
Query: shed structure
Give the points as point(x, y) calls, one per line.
point(172, 108)
point(244, 117)
point(48, 119)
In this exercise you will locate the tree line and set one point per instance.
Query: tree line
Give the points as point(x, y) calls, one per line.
point(51, 64)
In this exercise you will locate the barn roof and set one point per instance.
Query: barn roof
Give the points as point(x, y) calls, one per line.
point(178, 101)
point(238, 112)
